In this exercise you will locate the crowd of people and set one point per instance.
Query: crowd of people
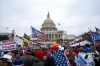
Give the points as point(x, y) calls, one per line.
point(67, 56)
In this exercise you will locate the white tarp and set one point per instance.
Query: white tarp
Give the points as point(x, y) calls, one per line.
point(84, 42)
point(81, 43)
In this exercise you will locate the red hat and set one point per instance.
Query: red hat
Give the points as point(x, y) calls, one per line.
point(55, 47)
point(40, 54)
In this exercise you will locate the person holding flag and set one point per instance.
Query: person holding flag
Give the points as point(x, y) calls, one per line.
point(26, 39)
point(58, 57)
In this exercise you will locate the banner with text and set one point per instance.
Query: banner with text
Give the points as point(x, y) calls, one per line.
point(8, 45)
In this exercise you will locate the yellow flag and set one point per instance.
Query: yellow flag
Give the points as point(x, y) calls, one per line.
point(27, 41)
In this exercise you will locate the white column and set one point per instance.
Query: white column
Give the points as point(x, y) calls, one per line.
point(54, 36)
point(51, 36)
point(48, 36)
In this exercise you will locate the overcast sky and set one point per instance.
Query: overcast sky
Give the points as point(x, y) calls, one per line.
point(74, 16)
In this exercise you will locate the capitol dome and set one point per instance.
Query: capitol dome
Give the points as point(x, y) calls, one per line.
point(49, 29)
point(48, 24)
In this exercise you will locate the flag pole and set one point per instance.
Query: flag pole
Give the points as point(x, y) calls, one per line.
point(92, 40)
point(91, 35)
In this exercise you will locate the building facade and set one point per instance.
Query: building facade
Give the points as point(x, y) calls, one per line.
point(50, 30)
point(2, 34)
point(70, 37)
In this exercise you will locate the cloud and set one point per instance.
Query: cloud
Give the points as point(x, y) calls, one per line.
point(75, 16)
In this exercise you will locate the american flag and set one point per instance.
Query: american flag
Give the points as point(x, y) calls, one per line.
point(95, 37)
point(37, 34)
point(60, 58)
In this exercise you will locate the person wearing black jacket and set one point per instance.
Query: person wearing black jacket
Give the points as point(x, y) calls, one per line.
point(49, 62)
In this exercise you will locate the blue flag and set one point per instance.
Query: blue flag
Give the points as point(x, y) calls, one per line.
point(95, 36)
